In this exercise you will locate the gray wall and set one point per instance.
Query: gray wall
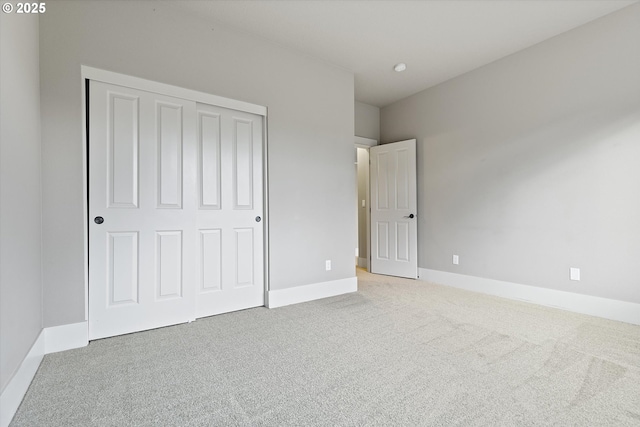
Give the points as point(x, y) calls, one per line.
point(20, 264)
point(367, 121)
point(531, 164)
point(311, 128)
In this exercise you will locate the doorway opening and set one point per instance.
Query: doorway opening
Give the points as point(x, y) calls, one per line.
point(362, 146)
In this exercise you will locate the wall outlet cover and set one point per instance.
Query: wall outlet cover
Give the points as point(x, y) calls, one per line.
point(574, 273)
point(327, 264)
point(456, 259)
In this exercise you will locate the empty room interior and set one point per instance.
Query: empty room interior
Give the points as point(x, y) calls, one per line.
point(320, 213)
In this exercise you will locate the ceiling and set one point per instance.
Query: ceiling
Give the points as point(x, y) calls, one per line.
point(438, 40)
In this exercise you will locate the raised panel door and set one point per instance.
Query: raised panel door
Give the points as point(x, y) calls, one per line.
point(394, 239)
point(141, 255)
point(231, 257)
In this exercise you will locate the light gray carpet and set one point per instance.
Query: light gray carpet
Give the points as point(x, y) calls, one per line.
point(398, 352)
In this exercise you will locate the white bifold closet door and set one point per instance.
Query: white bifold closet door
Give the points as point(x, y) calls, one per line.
point(175, 191)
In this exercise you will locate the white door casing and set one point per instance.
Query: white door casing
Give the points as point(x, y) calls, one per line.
point(150, 259)
point(394, 231)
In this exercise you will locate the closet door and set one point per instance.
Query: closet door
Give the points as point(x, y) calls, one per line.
point(230, 210)
point(175, 210)
point(142, 210)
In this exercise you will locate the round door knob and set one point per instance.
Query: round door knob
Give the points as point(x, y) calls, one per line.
point(411, 215)
point(258, 219)
point(98, 220)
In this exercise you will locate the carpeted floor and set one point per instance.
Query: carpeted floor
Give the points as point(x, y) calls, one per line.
point(398, 352)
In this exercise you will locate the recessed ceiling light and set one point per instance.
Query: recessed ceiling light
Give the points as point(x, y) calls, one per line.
point(400, 67)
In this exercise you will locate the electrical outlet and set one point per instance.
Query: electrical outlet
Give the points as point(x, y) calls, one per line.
point(574, 274)
point(456, 259)
point(327, 265)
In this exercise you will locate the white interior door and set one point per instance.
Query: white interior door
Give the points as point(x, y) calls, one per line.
point(153, 184)
point(394, 230)
point(229, 218)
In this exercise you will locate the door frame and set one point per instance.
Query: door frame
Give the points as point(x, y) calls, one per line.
point(366, 143)
point(96, 74)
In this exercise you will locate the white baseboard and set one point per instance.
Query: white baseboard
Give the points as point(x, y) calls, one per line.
point(50, 340)
point(586, 304)
point(282, 297)
point(17, 387)
point(66, 337)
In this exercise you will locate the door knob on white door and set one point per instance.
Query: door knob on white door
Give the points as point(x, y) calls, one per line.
point(410, 216)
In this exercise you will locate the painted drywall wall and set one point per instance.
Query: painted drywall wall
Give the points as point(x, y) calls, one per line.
point(310, 130)
point(20, 263)
point(363, 195)
point(529, 166)
point(367, 121)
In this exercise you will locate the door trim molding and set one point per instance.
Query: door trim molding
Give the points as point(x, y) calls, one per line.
point(110, 77)
point(365, 142)
point(621, 311)
point(265, 207)
point(170, 90)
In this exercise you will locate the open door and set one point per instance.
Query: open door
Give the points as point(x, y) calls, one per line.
point(394, 229)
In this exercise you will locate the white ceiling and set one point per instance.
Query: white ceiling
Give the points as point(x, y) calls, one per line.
point(438, 40)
